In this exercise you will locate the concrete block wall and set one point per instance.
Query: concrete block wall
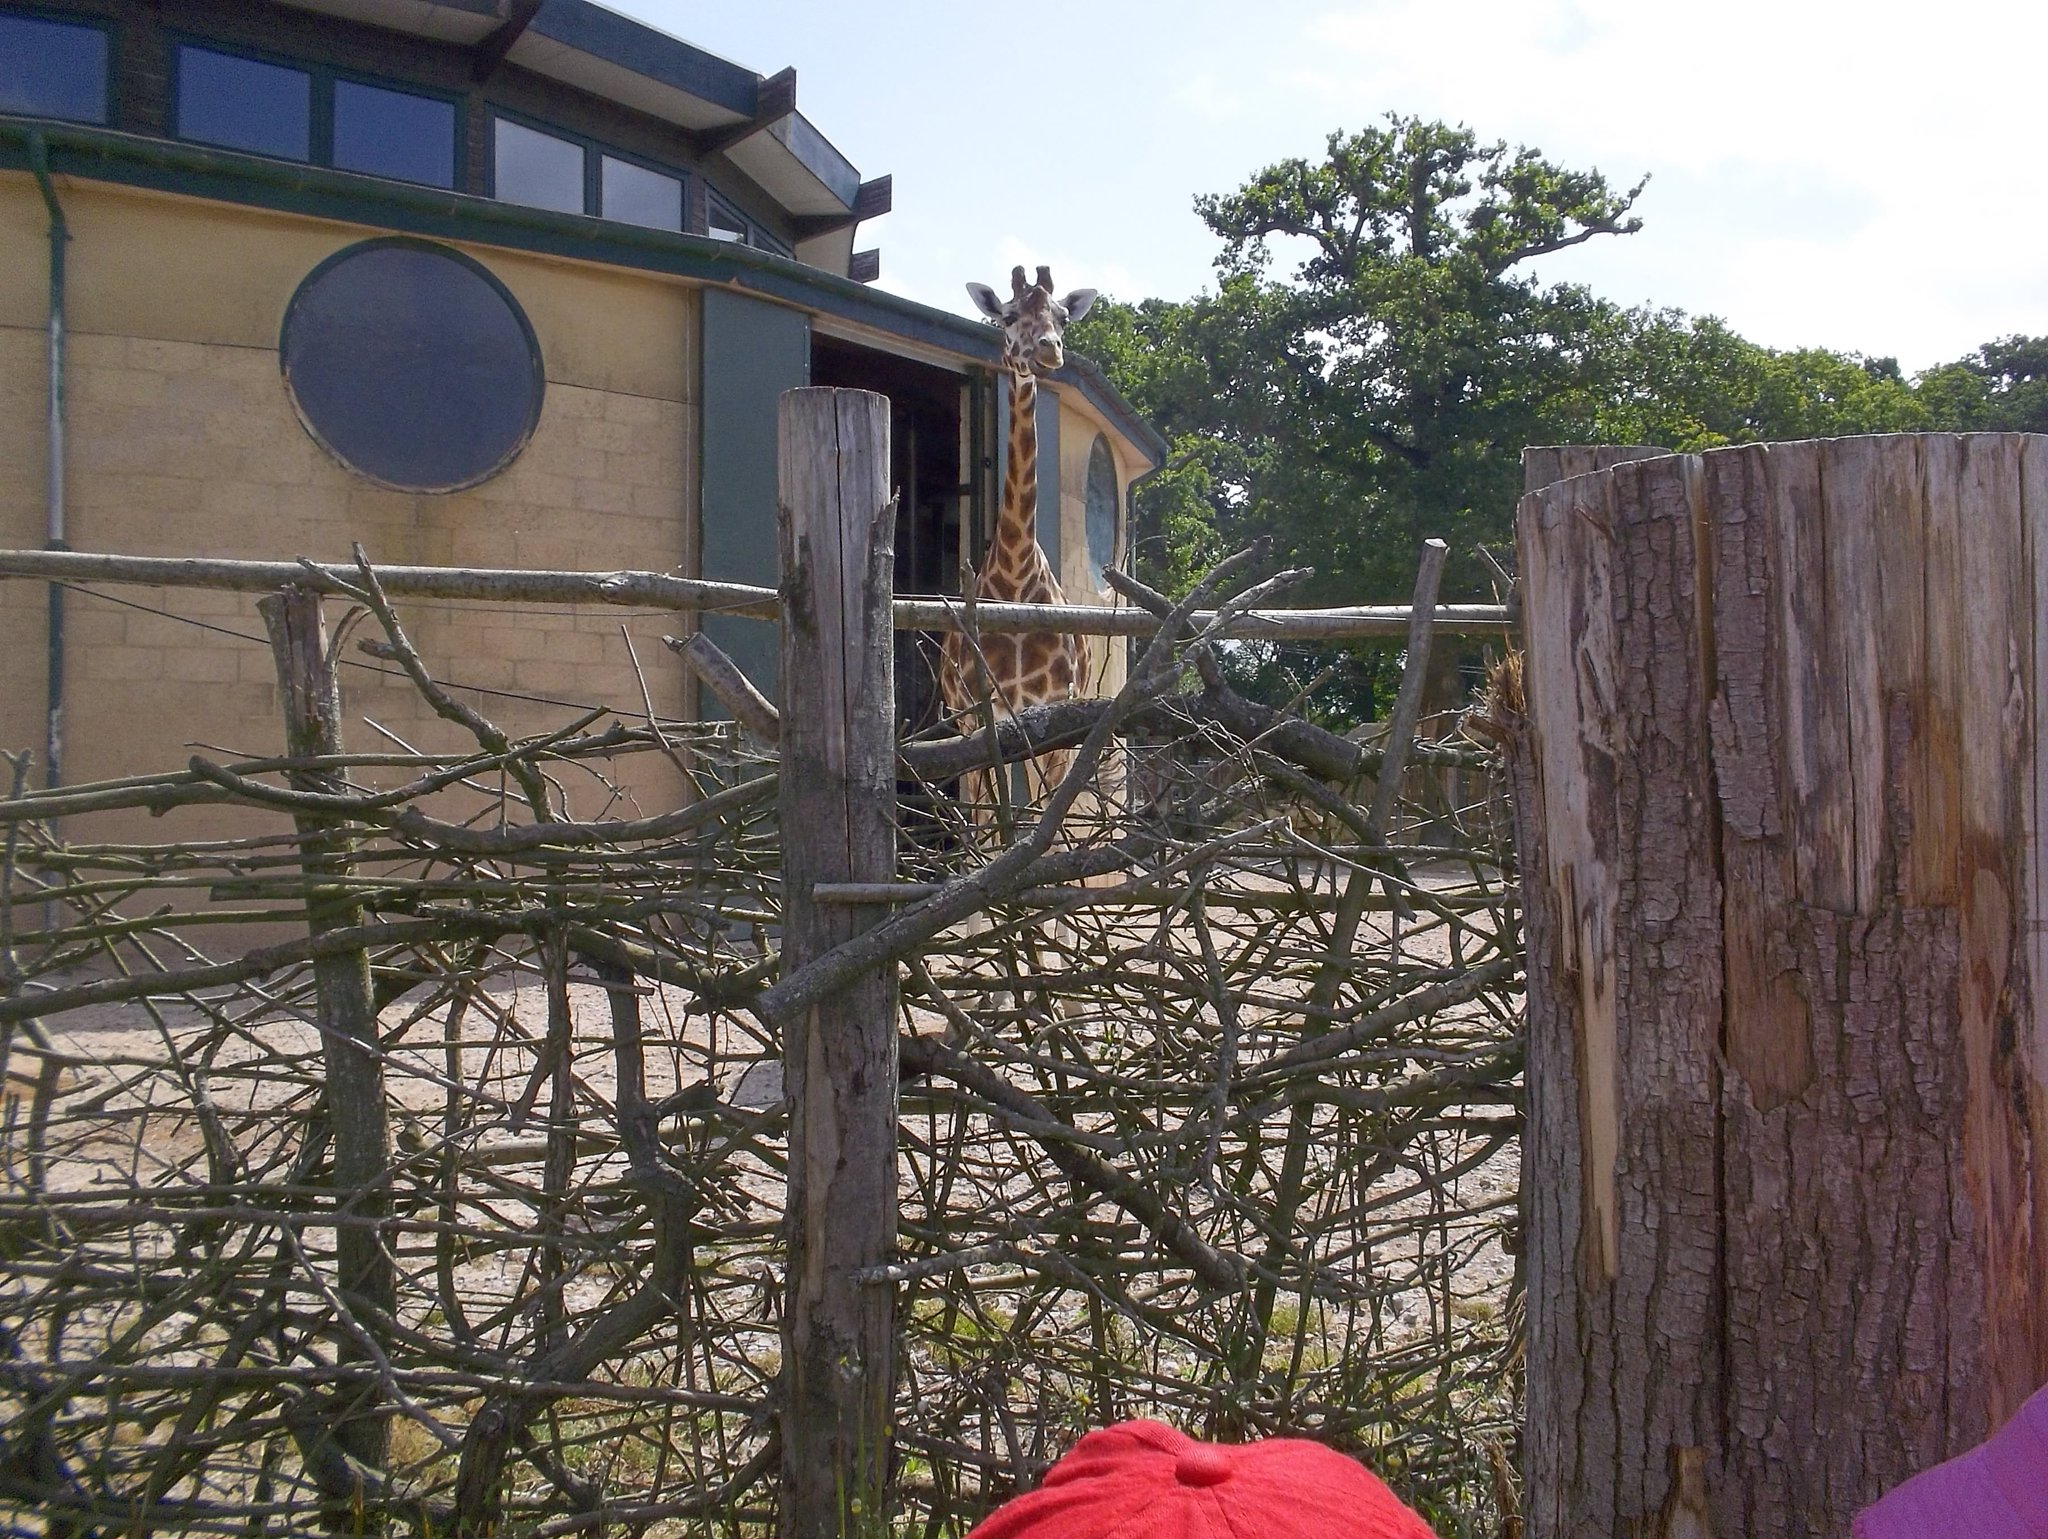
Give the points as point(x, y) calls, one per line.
point(183, 441)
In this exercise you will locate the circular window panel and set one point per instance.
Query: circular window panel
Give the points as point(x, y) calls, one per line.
point(412, 365)
point(1101, 505)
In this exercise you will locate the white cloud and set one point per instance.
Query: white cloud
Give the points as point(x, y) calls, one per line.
point(1205, 96)
point(1858, 175)
point(1866, 177)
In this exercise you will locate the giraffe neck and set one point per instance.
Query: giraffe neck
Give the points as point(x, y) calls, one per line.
point(1016, 536)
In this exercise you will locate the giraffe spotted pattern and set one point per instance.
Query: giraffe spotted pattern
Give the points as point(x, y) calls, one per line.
point(1013, 672)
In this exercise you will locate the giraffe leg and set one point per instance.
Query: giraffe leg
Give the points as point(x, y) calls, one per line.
point(979, 790)
point(1044, 775)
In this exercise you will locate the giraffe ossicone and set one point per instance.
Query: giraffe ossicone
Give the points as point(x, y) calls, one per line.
point(1013, 672)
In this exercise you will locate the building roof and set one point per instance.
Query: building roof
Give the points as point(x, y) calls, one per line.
point(231, 177)
point(751, 117)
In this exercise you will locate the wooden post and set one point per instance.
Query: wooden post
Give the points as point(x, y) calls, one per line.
point(838, 810)
point(1545, 464)
point(1779, 792)
point(347, 1018)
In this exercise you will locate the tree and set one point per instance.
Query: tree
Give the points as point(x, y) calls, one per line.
point(1382, 393)
point(2001, 387)
point(1380, 389)
point(1686, 383)
point(1417, 352)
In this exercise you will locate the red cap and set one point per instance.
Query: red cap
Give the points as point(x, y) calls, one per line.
point(1143, 1480)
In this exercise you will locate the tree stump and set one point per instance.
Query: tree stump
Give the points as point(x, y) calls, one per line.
point(1778, 797)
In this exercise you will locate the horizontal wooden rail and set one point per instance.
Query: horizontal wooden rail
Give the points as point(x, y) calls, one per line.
point(657, 590)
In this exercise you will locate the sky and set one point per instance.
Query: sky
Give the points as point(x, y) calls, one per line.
point(1868, 177)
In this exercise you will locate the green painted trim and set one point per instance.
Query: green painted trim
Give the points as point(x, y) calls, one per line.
point(251, 180)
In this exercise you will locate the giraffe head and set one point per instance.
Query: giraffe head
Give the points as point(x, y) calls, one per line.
point(1034, 323)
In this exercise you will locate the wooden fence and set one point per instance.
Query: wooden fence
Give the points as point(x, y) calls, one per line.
point(1779, 790)
point(740, 1166)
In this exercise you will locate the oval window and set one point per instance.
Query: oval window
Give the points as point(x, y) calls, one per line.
point(412, 365)
point(1101, 505)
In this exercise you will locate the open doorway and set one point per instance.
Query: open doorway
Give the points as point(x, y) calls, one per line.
point(929, 460)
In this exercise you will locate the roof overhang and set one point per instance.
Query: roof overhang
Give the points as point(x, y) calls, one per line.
point(798, 167)
point(467, 22)
point(584, 45)
point(832, 251)
point(624, 61)
point(729, 108)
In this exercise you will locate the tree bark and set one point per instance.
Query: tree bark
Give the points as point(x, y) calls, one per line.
point(1778, 791)
point(838, 800)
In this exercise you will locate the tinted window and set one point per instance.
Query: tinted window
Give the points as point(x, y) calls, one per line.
point(538, 169)
point(1101, 505)
point(51, 69)
point(412, 365)
point(637, 195)
point(394, 133)
point(244, 104)
point(723, 223)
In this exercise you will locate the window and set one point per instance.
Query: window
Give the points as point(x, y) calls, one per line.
point(544, 168)
point(310, 113)
point(244, 104)
point(723, 223)
point(635, 195)
point(412, 365)
point(53, 69)
point(407, 137)
point(1101, 505)
point(537, 169)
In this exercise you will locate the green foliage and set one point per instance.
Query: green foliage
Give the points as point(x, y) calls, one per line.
point(2001, 388)
point(1412, 349)
point(1686, 383)
point(1380, 391)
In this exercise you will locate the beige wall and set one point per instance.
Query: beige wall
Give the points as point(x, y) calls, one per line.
point(182, 440)
point(23, 405)
point(1079, 574)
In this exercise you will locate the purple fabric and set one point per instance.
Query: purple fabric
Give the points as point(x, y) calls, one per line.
point(1998, 1490)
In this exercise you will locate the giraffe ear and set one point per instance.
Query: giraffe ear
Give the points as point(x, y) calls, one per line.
point(1076, 304)
point(985, 300)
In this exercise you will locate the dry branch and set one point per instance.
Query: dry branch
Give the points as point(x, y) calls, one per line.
point(731, 688)
point(585, 1309)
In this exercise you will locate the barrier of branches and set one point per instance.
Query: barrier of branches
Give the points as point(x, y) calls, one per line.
point(465, 1201)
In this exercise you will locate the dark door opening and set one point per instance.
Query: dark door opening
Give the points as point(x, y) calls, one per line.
point(927, 454)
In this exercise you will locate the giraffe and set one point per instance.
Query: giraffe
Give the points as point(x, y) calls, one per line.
point(1034, 669)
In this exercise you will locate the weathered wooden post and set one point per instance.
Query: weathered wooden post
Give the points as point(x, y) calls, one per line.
point(1543, 464)
point(356, 1112)
point(1779, 795)
point(838, 810)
